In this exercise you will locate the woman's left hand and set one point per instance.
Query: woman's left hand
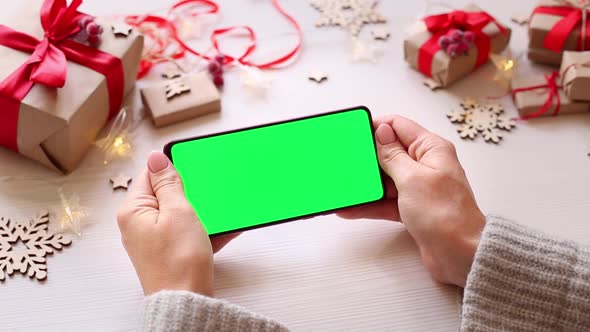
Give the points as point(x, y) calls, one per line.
point(165, 240)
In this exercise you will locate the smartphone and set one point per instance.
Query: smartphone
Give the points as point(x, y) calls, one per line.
point(269, 174)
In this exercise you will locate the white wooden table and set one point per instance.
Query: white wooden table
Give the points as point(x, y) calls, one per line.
point(320, 274)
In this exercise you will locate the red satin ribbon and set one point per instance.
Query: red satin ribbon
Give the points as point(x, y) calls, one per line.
point(553, 98)
point(439, 25)
point(168, 26)
point(47, 64)
point(557, 36)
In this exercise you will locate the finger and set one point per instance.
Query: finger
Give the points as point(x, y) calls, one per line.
point(424, 146)
point(219, 242)
point(408, 131)
point(382, 119)
point(141, 185)
point(140, 199)
point(382, 210)
point(165, 181)
point(393, 157)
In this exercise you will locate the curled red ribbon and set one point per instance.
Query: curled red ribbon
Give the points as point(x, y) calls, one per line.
point(168, 27)
point(557, 36)
point(553, 99)
point(439, 25)
point(47, 64)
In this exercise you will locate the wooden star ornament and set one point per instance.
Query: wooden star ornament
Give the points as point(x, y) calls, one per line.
point(432, 84)
point(120, 182)
point(121, 30)
point(381, 34)
point(520, 19)
point(318, 76)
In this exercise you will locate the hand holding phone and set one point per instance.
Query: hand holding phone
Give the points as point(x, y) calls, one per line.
point(269, 174)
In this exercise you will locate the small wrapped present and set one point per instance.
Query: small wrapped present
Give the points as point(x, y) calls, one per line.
point(539, 95)
point(452, 45)
point(60, 81)
point(181, 98)
point(575, 75)
point(556, 26)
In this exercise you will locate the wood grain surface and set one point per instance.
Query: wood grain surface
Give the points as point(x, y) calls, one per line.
point(323, 274)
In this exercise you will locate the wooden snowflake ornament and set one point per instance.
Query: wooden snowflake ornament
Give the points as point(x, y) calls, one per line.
point(350, 14)
point(176, 88)
point(38, 242)
point(475, 119)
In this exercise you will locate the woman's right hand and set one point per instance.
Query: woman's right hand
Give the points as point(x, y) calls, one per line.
point(430, 194)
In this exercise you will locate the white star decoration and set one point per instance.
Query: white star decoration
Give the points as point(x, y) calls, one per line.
point(362, 52)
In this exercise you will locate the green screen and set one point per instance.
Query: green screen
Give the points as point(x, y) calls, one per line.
point(268, 174)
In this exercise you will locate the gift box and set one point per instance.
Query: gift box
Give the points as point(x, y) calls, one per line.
point(575, 75)
point(57, 93)
point(541, 95)
point(554, 27)
point(425, 52)
point(180, 99)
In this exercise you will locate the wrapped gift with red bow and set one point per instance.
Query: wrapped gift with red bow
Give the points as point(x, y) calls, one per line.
point(557, 26)
point(575, 75)
point(543, 95)
point(454, 44)
point(63, 75)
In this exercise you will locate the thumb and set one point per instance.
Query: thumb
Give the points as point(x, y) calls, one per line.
point(393, 157)
point(165, 181)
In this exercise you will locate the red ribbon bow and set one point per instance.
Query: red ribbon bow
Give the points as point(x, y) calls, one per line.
point(440, 25)
point(47, 64)
point(553, 98)
point(557, 36)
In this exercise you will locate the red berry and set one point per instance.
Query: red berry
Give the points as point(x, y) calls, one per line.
point(469, 37)
point(81, 37)
point(462, 48)
point(457, 36)
point(218, 80)
point(85, 21)
point(214, 68)
point(219, 59)
point(94, 40)
point(453, 50)
point(444, 42)
point(93, 29)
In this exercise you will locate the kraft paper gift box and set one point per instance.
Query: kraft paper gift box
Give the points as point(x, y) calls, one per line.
point(537, 95)
point(575, 75)
point(196, 96)
point(445, 69)
point(555, 27)
point(55, 126)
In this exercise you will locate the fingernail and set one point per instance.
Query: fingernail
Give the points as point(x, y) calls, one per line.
point(157, 161)
point(385, 134)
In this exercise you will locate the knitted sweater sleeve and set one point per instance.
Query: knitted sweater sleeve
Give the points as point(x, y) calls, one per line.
point(186, 311)
point(523, 280)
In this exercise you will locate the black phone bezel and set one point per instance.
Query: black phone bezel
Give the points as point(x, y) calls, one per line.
point(168, 153)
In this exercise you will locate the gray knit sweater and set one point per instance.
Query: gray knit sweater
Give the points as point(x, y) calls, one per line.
point(521, 280)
